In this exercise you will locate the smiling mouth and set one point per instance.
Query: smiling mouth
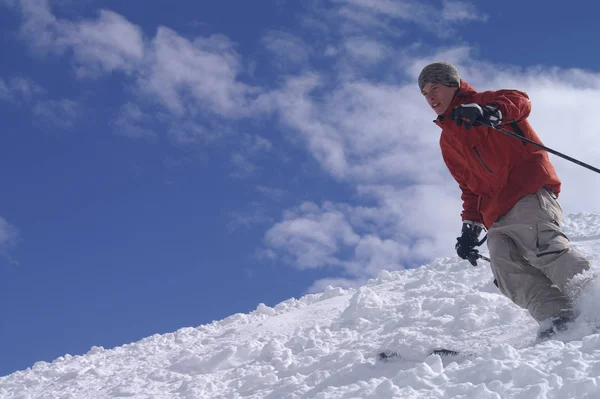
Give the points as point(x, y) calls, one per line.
point(435, 105)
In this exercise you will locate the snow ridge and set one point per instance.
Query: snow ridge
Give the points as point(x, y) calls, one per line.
point(326, 345)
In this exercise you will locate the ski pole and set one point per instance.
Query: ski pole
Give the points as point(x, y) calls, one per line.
point(538, 145)
point(490, 261)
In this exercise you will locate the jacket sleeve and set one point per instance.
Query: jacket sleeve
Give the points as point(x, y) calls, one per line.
point(469, 199)
point(514, 104)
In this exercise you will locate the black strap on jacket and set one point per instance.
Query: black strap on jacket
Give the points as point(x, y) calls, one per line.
point(517, 129)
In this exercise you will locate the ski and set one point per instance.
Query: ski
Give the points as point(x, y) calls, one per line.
point(444, 352)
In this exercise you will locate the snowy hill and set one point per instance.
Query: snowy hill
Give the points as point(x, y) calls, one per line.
point(326, 346)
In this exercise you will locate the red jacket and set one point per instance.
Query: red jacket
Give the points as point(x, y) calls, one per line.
point(493, 169)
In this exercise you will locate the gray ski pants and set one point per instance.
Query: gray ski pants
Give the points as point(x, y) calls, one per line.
point(532, 260)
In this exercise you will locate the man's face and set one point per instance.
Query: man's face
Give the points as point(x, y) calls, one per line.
point(438, 96)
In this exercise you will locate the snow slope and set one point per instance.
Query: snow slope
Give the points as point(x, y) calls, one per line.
point(326, 346)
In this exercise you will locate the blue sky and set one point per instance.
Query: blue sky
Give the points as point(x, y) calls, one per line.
point(165, 166)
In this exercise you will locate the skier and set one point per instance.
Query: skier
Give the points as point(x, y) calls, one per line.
point(511, 189)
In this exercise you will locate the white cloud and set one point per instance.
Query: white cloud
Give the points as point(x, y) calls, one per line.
point(9, 238)
point(319, 286)
point(365, 50)
point(373, 254)
point(286, 48)
point(298, 111)
point(107, 44)
point(257, 214)
point(188, 132)
point(25, 88)
point(196, 76)
point(61, 113)
point(425, 215)
point(399, 232)
point(47, 112)
point(380, 15)
point(242, 165)
point(252, 149)
point(133, 122)
point(461, 11)
point(401, 9)
point(4, 91)
point(189, 77)
point(8, 233)
point(193, 82)
point(20, 90)
point(360, 241)
point(255, 144)
point(359, 129)
point(359, 15)
point(311, 237)
point(271, 192)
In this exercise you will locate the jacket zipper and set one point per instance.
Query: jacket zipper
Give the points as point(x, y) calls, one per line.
point(481, 160)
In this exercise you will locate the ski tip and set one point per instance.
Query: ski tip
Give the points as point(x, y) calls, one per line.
point(444, 352)
point(389, 355)
point(386, 355)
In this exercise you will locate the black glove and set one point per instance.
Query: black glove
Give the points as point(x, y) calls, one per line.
point(472, 114)
point(466, 243)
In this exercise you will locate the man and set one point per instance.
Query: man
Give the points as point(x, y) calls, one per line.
point(508, 187)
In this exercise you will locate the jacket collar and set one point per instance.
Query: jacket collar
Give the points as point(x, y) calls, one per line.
point(463, 91)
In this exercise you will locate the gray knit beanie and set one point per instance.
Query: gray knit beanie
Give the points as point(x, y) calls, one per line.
point(439, 72)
